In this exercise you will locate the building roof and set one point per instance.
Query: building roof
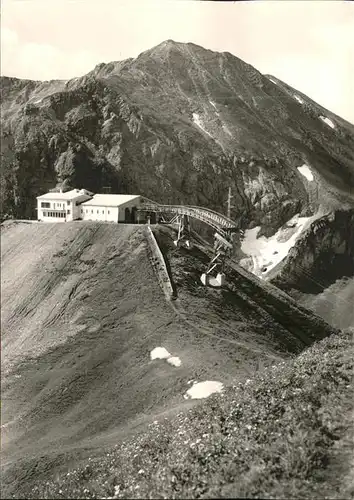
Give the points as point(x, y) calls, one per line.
point(68, 195)
point(110, 200)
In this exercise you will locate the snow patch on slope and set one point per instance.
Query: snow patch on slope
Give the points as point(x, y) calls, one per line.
point(214, 106)
point(328, 121)
point(299, 99)
point(162, 353)
point(306, 172)
point(227, 130)
point(174, 361)
point(199, 123)
point(159, 353)
point(266, 253)
point(202, 390)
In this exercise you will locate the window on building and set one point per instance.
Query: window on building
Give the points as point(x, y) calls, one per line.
point(45, 204)
point(98, 211)
point(68, 202)
point(68, 212)
point(86, 210)
point(92, 211)
point(54, 215)
point(108, 212)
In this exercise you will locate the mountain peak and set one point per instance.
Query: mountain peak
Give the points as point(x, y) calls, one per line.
point(170, 44)
point(166, 44)
point(182, 113)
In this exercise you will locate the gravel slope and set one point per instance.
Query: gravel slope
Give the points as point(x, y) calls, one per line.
point(81, 311)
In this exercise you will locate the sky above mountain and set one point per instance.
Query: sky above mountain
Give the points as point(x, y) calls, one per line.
point(308, 44)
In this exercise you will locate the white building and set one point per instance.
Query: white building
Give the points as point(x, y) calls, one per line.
point(61, 207)
point(112, 207)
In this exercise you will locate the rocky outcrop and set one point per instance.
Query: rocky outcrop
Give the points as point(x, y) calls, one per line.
point(323, 254)
point(178, 124)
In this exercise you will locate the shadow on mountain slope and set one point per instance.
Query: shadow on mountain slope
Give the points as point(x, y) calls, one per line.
point(81, 311)
point(334, 304)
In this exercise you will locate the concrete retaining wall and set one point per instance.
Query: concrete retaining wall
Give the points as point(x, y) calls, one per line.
point(159, 265)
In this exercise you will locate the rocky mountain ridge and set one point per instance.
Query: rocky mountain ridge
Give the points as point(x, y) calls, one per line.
point(178, 124)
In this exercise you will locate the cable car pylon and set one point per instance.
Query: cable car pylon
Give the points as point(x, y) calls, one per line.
point(222, 224)
point(184, 230)
point(222, 250)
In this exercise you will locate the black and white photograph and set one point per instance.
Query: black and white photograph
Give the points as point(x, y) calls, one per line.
point(177, 249)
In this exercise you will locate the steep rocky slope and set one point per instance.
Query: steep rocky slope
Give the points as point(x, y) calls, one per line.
point(319, 269)
point(82, 310)
point(179, 123)
point(323, 254)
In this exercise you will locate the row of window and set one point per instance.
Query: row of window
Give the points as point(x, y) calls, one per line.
point(54, 214)
point(63, 214)
point(87, 211)
point(46, 204)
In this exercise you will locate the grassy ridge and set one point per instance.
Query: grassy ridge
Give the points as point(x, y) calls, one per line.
point(287, 433)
